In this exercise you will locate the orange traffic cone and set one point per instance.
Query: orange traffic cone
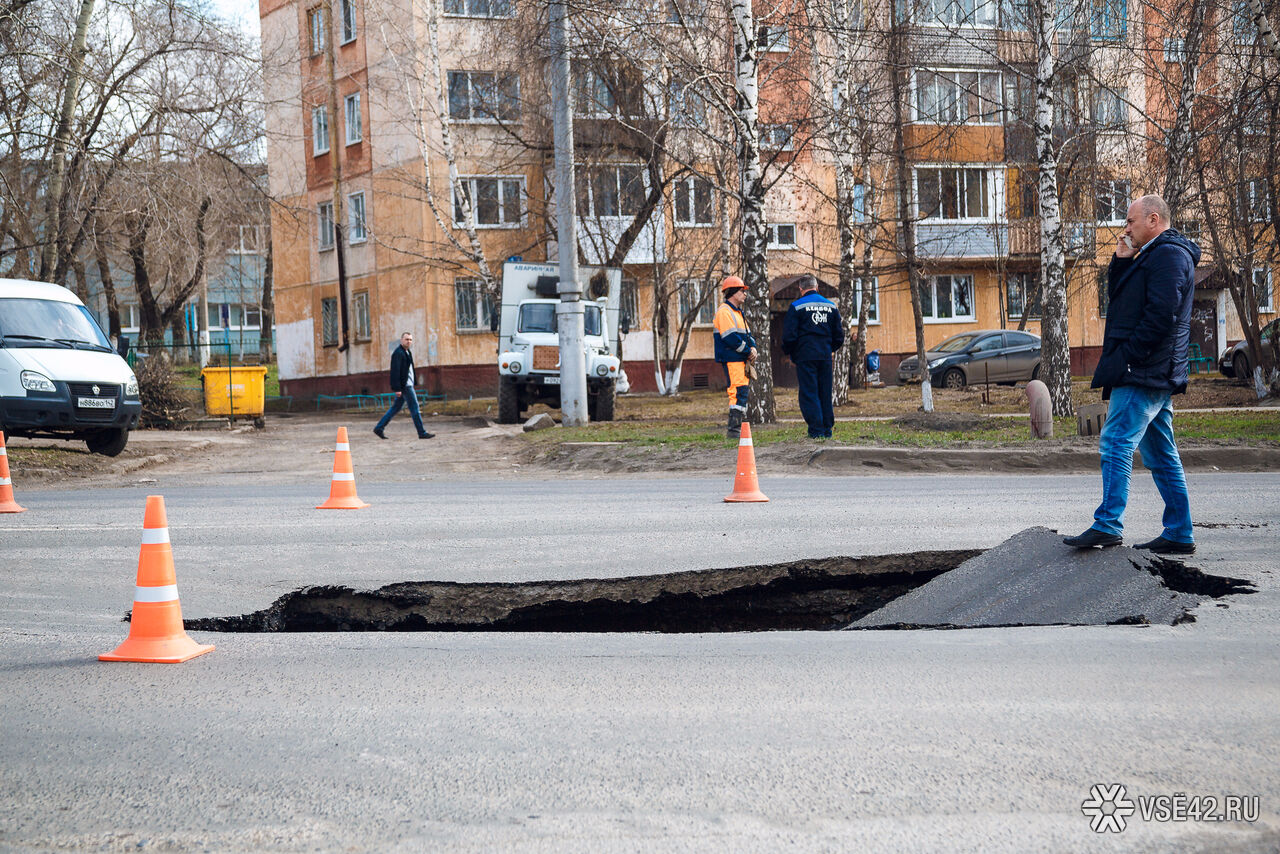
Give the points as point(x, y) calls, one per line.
point(746, 487)
point(342, 489)
point(7, 504)
point(155, 630)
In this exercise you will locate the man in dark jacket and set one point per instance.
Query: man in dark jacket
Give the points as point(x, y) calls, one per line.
point(402, 384)
point(1150, 284)
point(811, 331)
point(735, 348)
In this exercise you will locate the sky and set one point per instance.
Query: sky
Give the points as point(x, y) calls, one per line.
point(242, 12)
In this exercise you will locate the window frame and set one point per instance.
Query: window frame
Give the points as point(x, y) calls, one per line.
point(1175, 50)
point(991, 194)
point(875, 300)
point(929, 19)
point(933, 280)
point(1268, 281)
point(352, 221)
point(347, 113)
point(329, 322)
point(470, 11)
point(1109, 195)
point(629, 302)
point(1032, 278)
point(688, 292)
point(481, 304)
point(362, 325)
point(1106, 123)
point(773, 37)
point(773, 241)
point(960, 94)
point(588, 174)
point(691, 185)
point(317, 31)
point(324, 214)
point(349, 29)
point(130, 317)
point(319, 116)
point(768, 132)
point(502, 182)
point(496, 115)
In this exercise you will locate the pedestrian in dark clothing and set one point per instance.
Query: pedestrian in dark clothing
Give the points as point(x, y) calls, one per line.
point(1150, 284)
point(402, 384)
point(811, 331)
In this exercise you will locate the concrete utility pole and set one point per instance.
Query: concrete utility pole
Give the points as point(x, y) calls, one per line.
point(573, 367)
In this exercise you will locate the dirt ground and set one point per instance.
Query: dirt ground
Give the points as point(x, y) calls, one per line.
point(298, 447)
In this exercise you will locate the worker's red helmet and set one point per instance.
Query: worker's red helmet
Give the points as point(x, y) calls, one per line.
point(731, 284)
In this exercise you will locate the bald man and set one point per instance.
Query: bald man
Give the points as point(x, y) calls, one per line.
point(1150, 283)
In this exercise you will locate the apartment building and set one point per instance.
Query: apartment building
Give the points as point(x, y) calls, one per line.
point(357, 94)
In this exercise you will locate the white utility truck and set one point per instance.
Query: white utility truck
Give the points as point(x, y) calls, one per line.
point(529, 342)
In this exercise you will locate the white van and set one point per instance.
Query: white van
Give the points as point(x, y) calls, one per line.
point(59, 376)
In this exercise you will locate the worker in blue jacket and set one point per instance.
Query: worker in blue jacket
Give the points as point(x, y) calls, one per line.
point(811, 331)
point(735, 349)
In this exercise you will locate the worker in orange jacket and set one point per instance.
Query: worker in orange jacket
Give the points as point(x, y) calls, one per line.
point(734, 349)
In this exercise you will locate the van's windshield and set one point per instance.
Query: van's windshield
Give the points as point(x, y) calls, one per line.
point(541, 317)
point(26, 322)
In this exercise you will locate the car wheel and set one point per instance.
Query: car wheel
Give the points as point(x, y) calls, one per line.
point(1240, 367)
point(953, 378)
point(109, 443)
point(1035, 372)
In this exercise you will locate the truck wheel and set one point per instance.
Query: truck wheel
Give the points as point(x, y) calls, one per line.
point(603, 401)
point(109, 443)
point(508, 401)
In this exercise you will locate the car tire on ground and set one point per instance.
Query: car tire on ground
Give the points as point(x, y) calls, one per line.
point(953, 378)
point(508, 401)
point(1035, 372)
point(109, 443)
point(1240, 367)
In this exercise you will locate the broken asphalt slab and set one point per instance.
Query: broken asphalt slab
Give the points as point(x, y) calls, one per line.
point(1033, 579)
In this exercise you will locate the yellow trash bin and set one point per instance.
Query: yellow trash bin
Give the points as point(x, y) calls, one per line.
point(235, 392)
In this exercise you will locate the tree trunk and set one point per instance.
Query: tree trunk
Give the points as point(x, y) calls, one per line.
point(55, 204)
point(761, 408)
point(1056, 360)
point(267, 307)
point(108, 287)
point(1265, 30)
point(1178, 158)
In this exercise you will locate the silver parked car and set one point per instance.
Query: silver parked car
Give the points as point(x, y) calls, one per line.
point(987, 355)
point(1237, 361)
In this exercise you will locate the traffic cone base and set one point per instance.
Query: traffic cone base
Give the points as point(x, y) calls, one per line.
point(342, 488)
point(7, 504)
point(156, 634)
point(746, 486)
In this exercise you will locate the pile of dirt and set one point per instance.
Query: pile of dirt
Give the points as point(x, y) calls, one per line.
point(945, 422)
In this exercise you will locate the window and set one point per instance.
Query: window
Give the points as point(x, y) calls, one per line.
point(316, 30)
point(873, 305)
point(128, 317)
point(947, 298)
point(357, 230)
point(348, 21)
point(223, 315)
point(1262, 289)
point(1023, 290)
point(1112, 203)
point(329, 322)
point(324, 224)
point(1104, 294)
point(630, 308)
point(1255, 200)
point(250, 240)
point(673, 13)
point(774, 38)
point(610, 191)
point(781, 236)
point(1109, 109)
point(482, 96)
point(479, 8)
point(1110, 20)
point(954, 97)
point(360, 302)
point(1189, 228)
point(355, 128)
point(319, 130)
point(495, 202)
point(252, 317)
point(686, 105)
point(958, 13)
point(691, 292)
point(599, 93)
point(1243, 25)
point(1175, 49)
point(474, 307)
point(1078, 239)
point(953, 193)
point(859, 202)
point(693, 201)
point(776, 137)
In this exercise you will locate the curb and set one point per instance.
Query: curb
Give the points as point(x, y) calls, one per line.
point(848, 460)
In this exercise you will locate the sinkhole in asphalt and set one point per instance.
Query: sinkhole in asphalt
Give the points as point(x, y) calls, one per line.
point(953, 589)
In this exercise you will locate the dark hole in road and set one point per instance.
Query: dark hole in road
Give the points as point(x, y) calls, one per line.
point(825, 593)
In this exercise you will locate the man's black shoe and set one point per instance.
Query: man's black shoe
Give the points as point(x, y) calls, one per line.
point(1091, 538)
point(426, 435)
point(379, 433)
point(1161, 546)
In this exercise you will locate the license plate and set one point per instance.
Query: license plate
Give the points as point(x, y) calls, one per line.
point(551, 381)
point(96, 403)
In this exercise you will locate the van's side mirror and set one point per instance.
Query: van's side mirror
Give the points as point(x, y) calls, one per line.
point(122, 346)
point(624, 324)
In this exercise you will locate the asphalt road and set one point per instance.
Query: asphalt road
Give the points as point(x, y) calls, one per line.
point(984, 740)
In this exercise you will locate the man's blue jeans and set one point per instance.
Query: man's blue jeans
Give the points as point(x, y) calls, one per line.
point(1142, 419)
point(410, 397)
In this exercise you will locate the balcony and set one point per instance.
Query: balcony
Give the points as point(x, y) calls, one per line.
point(961, 240)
